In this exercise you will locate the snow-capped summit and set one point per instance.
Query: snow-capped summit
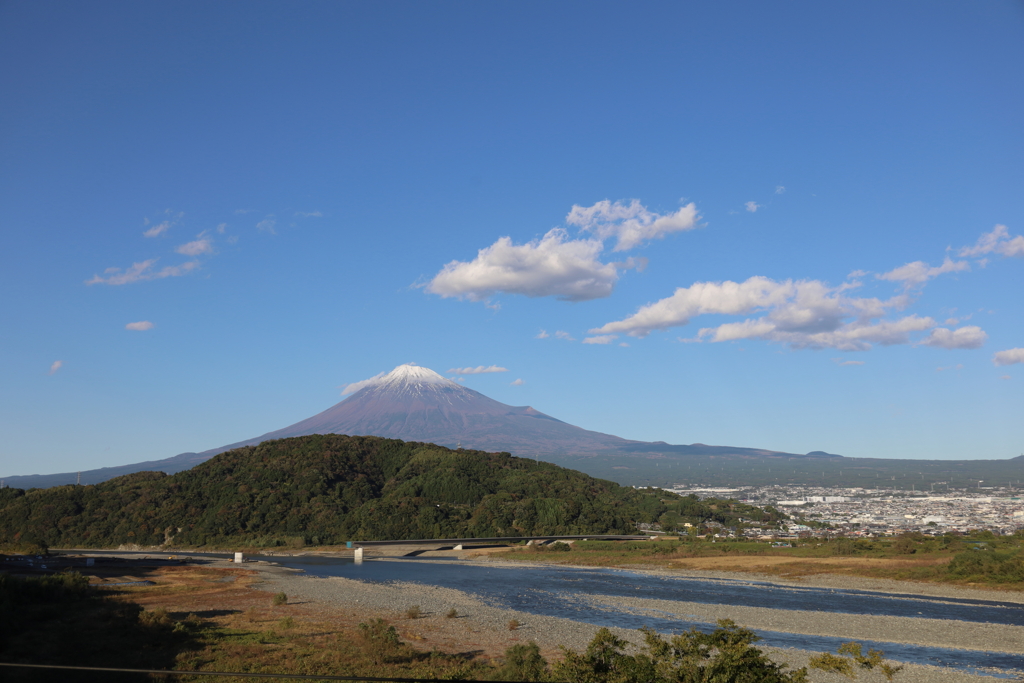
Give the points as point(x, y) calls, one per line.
point(407, 375)
point(410, 372)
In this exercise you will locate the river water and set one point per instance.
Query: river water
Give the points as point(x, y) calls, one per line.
point(556, 590)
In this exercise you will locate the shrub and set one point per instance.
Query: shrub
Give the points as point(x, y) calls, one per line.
point(726, 654)
point(286, 623)
point(158, 618)
point(831, 663)
point(843, 546)
point(834, 664)
point(452, 613)
point(994, 566)
point(380, 640)
point(513, 624)
point(523, 663)
point(280, 599)
point(413, 612)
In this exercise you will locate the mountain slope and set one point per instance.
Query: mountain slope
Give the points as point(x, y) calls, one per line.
point(326, 489)
point(412, 402)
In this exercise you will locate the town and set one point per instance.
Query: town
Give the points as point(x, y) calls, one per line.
point(861, 512)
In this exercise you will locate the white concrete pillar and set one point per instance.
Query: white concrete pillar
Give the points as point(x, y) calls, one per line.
point(239, 558)
point(358, 555)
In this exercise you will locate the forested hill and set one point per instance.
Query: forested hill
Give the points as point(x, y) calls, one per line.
point(325, 489)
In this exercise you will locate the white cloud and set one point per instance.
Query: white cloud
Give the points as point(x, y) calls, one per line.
point(267, 225)
point(551, 266)
point(517, 383)
point(543, 334)
point(854, 336)
point(702, 297)
point(356, 386)
point(309, 214)
point(780, 189)
point(752, 207)
point(140, 326)
point(601, 339)
point(56, 365)
point(158, 230)
point(558, 265)
point(560, 334)
point(1004, 377)
point(840, 361)
point(221, 228)
point(631, 224)
point(1008, 357)
point(140, 271)
point(478, 370)
point(970, 337)
point(919, 272)
point(196, 247)
point(803, 314)
point(997, 241)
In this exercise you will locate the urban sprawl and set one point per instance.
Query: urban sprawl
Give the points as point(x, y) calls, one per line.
point(860, 512)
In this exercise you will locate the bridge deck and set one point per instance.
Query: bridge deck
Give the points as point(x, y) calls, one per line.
point(498, 539)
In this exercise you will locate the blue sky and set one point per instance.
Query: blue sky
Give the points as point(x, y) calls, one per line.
point(789, 225)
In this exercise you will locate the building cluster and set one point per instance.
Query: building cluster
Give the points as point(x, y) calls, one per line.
point(876, 512)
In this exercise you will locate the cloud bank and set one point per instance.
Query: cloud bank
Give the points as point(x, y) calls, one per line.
point(1008, 357)
point(998, 241)
point(919, 272)
point(551, 266)
point(814, 314)
point(802, 314)
point(970, 337)
point(630, 224)
point(140, 326)
point(558, 264)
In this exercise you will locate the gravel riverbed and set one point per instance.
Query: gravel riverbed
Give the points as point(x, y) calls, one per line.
point(484, 629)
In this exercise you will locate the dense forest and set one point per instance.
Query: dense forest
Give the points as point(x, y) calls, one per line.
point(326, 489)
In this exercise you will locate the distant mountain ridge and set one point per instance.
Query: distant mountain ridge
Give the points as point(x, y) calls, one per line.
point(414, 403)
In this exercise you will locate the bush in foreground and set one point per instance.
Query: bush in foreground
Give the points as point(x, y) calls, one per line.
point(726, 654)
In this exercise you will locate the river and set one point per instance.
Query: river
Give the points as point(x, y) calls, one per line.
point(562, 591)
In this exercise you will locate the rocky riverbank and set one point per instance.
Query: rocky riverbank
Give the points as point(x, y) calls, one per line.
point(483, 629)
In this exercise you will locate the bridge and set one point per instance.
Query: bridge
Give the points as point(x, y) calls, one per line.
point(459, 543)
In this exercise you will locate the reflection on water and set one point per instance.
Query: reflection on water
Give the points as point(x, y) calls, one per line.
point(553, 591)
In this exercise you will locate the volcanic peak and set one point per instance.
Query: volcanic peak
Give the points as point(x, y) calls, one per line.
point(410, 373)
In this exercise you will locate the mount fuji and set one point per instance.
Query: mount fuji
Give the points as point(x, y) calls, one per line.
point(414, 403)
